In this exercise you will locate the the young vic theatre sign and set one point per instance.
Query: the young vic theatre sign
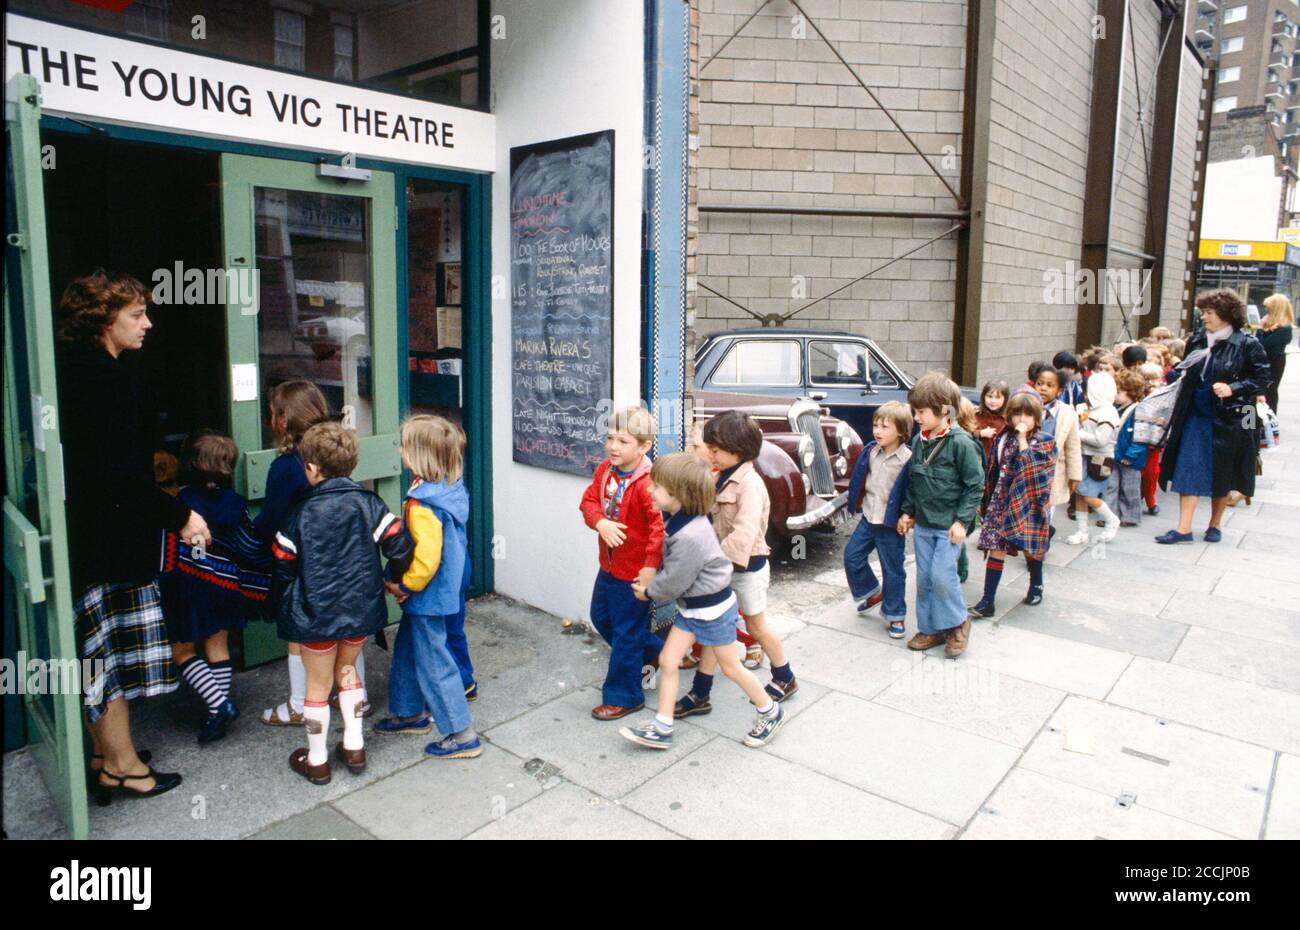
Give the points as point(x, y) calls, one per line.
point(95, 76)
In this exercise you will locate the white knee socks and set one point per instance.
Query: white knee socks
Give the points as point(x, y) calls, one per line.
point(360, 666)
point(316, 720)
point(297, 683)
point(350, 698)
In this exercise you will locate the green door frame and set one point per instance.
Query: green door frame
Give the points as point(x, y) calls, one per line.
point(477, 291)
point(29, 408)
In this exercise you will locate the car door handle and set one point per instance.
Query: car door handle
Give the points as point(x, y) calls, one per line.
point(817, 395)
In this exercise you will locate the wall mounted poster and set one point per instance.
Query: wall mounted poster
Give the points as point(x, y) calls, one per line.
point(562, 299)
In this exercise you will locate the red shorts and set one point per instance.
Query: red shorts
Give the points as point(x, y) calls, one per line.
point(329, 645)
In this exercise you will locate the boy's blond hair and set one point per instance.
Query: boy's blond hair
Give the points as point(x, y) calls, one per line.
point(897, 413)
point(1149, 370)
point(636, 421)
point(936, 392)
point(686, 478)
point(434, 448)
point(966, 415)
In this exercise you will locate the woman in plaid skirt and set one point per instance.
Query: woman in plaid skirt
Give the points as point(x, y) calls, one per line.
point(116, 516)
point(1017, 494)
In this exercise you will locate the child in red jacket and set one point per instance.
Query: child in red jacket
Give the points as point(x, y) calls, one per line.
point(618, 506)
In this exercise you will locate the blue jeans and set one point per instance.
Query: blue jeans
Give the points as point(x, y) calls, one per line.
point(890, 548)
point(424, 676)
point(939, 602)
point(457, 644)
point(624, 623)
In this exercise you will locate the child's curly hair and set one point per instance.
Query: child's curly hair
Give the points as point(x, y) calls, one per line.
point(331, 448)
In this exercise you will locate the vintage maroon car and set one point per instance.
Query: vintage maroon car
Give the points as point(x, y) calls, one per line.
point(806, 460)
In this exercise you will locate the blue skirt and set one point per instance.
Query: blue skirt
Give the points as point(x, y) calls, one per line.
point(1194, 474)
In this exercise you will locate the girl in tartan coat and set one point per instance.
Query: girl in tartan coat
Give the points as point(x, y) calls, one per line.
point(1017, 497)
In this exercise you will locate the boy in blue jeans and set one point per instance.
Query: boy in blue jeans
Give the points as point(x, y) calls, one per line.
point(944, 487)
point(878, 482)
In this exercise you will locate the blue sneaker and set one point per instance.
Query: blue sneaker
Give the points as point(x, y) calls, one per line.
point(647, 734)
point(1173, 537)
point(214, 728)
point(391, 725)
point(897, 630)
point(764, 728)
point(448, 748)
point(1214, 534)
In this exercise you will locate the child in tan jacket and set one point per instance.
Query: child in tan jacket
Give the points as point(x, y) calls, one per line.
point(740, 516)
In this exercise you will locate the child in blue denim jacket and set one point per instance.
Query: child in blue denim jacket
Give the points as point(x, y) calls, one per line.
point(878, 482)
point(425, 677)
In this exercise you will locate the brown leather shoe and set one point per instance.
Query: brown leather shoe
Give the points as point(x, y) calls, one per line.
point(316, 774)
point(354, 759)
point(958, 639)
point(611, 712)
point(926, 640)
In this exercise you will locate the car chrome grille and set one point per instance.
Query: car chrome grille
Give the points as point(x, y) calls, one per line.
point(823, 481)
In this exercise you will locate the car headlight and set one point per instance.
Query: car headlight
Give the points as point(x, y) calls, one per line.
point(841, 466)
point(844, 436)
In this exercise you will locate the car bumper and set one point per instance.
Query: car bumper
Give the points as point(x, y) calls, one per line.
point(826, 510)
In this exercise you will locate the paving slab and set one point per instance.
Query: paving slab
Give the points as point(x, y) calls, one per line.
point(1273, 624)
point(1248, 589)
point(851, 664)
point(1058, 663)
point(1252, 713)
point(441, 798)
point(1120, 630)
point(1232, 655)
point(1266, 542)
point(29, 811)
point(572, 813)
point(733, 715)
point(932, 768)
point(319, 823)
point(590, 752)
point(1119, 575)
point(1028, 804)
point(710, 794)
point(1074, 584)
point(1187, 773)
point(1284, 805)
point(1263, 564)
point(973, 698)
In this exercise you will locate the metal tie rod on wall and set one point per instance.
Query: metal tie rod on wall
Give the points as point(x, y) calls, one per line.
point(879, 213)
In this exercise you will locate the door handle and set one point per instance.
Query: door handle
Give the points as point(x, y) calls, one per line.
point(817, 395)
point(23, 553)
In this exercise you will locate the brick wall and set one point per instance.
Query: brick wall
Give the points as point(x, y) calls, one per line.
point(1181, 239)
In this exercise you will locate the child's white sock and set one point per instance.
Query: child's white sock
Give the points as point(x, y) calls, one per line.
point(350, 698)
point(663, 724)
point(360, 665)
point(297, 683)
point(316, 721)
point(1081, 522)
point(1107, 514)
point(769, 709)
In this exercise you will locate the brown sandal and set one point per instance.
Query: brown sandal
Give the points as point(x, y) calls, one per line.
point(271, 716)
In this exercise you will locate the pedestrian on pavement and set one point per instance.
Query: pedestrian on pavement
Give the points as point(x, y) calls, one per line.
point(618, 506)
point(1097, 435)
point(1124, 489)
point(115, 516)
point(1061, 422)
point(740, 515)
point(876, 491)
point(944, 487)
point(1213, 446)
point(1017, 491)
point(696, 573)
point(1275, 336)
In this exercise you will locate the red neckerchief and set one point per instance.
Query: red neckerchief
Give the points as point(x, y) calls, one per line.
point(938, 435)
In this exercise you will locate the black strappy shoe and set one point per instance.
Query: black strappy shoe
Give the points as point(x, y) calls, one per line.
point(92, 773)
point(163, 782)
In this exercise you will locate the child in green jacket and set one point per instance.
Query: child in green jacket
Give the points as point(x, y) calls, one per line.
point(943, 495)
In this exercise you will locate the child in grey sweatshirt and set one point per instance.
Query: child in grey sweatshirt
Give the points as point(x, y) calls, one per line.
point(697, 575)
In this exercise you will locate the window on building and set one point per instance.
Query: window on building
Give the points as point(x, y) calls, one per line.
point(1228, 46)
point(146, 18)
point(343, 44)
point(1234, 14)
point(291, 40)
point(1228, 75)
point(1224, 104)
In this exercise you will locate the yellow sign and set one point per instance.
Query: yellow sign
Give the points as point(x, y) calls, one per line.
point(1291, 234)
point(1243, 250)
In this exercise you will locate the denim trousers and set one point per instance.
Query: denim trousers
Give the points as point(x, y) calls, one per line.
point(624, 623)
point(890, 548)
point(424, 676)
point(939, 602)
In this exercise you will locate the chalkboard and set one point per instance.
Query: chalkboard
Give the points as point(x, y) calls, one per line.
point(562, 300)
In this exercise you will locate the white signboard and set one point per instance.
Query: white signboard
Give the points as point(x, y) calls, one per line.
point(94, 76)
